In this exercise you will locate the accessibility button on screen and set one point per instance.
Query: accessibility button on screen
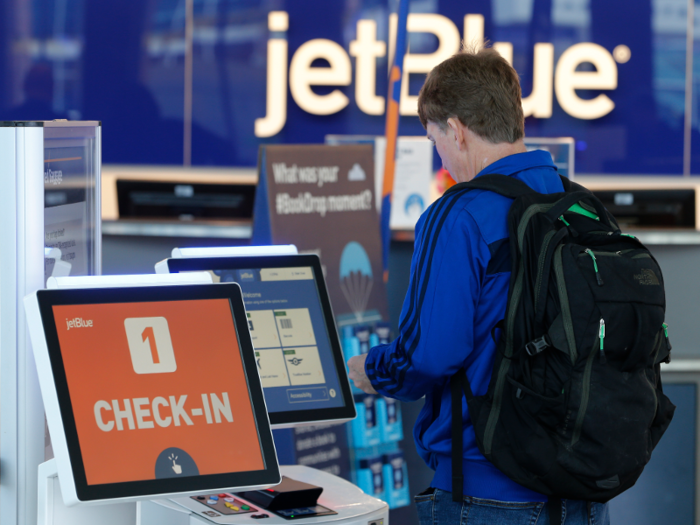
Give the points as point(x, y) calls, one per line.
point(303, 395)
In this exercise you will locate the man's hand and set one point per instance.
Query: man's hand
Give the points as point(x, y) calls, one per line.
point(357, 374)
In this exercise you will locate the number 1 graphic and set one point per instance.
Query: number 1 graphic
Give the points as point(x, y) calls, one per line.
point(150, 345)
point(147, 334)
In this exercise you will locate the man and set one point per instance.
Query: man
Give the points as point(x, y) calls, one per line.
point(471, 108)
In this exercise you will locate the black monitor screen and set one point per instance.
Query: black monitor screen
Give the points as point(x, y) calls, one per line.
point(291, 324)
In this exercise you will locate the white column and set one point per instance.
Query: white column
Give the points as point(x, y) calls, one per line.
point(21, 272)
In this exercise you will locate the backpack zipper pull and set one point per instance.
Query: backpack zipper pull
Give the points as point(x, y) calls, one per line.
point(598, 278)
point(574, 233)
point(601, 336)
point(668, 341)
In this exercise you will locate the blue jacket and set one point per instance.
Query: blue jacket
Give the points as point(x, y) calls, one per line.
point(458, 290)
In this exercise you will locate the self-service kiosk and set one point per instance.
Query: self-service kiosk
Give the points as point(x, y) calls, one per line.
point(150, 391)
point(158, 342)
point(291, 323)
point(302, 370)
point(50, 212)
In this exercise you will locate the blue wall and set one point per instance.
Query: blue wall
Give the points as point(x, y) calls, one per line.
point(122, 62)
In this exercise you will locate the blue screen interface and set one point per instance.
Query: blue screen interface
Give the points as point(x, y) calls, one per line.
point(292, 347)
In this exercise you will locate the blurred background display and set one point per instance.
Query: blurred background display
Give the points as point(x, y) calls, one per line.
point(184, 81)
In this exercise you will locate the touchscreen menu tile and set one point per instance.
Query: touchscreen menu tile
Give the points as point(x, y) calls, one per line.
point(272, 368)
point(304, 366)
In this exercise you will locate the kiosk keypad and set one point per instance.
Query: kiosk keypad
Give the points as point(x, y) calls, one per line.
point(225, 504)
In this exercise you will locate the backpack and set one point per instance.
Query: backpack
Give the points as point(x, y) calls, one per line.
point(575, 405)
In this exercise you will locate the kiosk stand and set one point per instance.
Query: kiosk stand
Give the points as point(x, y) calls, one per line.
point(51, 510)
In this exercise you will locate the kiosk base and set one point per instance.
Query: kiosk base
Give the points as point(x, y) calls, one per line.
point(52, 511)
point(349, 504)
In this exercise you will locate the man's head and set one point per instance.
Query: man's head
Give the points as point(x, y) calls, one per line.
point(479, 88)
point(470, 105)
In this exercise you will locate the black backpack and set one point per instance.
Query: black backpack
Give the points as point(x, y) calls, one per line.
point(575, 405)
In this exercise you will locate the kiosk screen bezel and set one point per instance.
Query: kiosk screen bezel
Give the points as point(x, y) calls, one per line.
point(346, 411)
point(47, 299)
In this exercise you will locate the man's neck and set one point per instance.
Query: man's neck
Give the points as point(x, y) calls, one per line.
point(486, 153)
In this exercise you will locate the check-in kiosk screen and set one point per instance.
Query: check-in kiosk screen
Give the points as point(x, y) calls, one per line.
point(289, 333)
point(158, 389)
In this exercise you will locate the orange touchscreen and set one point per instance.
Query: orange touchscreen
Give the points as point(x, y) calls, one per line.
point(158, 390)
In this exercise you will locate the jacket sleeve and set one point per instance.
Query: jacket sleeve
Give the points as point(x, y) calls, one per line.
point(436, 327)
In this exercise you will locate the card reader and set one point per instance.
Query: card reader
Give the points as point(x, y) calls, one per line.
point(288, 494)
point(291, 499)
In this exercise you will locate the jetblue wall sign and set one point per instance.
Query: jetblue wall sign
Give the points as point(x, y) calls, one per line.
point(562, 79)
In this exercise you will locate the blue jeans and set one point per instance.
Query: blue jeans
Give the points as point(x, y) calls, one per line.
point(435, 507)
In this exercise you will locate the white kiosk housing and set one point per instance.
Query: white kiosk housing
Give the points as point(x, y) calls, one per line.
point(50, 199)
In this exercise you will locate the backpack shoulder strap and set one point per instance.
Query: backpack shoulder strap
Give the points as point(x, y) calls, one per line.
point(456, 382)
point(570, 185)
point(459, 385)
point(510, 186)
point(497, 183)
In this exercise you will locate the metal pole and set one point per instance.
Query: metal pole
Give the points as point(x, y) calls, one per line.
point(187, 114)
point(392, 130)
point(688, 123)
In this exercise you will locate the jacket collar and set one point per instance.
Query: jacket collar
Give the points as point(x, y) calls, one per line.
point(518, 162)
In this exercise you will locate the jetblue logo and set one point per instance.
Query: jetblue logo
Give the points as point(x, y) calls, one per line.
point(246, 275)
point(549, 79)
point(78, 322)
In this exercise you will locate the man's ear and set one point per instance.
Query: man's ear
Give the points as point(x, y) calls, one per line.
point(459, 132)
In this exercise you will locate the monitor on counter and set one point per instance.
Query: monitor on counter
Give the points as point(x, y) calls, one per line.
point(297, 348)
point(151, 391)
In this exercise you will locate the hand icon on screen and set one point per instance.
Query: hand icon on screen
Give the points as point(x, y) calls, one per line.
point(175, 463)
point(177, 468)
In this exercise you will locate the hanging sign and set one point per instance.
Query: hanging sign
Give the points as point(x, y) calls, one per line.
point(321, 198)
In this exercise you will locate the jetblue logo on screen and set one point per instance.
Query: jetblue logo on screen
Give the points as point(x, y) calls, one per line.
point(78, 322)
point(246, 275)
point(150, 345)
point(562, 79)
